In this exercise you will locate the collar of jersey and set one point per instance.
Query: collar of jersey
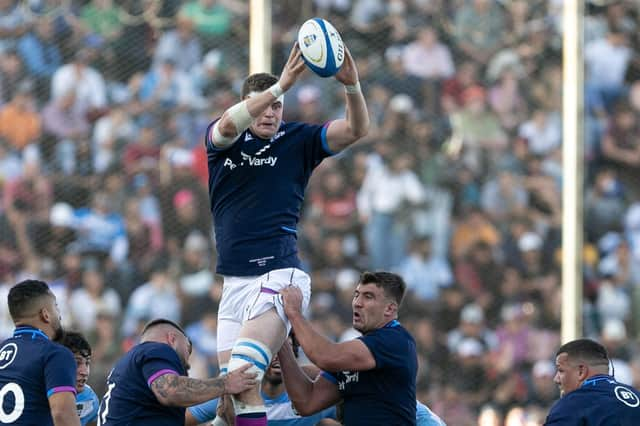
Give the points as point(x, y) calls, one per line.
point(27, 329)
point(258, 138)
point(283, 397)
point(595, 379)
point(392, 323)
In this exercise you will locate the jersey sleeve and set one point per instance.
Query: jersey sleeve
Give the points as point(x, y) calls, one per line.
point(316, 147)
point(386, 347)
point(158, 360)
point(59, 370)
point(88, 405)
point(208, 141)
point(205, 411)
point(329, 413)
point(425, 417)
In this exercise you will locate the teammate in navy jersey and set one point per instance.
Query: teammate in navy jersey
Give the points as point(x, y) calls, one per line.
point(589, 396)
point(374, 375)
point(258, 171)
point(87, 402)
point(37, 376)
point(148, 385)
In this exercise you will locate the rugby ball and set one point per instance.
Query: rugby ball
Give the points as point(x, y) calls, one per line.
point(321, 46)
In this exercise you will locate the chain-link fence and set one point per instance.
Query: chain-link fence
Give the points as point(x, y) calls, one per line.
point(103, 107)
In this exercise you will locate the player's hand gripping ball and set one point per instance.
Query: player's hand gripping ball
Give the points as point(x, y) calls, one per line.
point(321, 46)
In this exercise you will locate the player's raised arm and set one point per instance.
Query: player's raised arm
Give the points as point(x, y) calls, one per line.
point(181, 391)
point(238, 118)
point(344, 132)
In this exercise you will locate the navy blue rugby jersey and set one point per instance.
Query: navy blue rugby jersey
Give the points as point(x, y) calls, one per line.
point(32, 368)
point(256, 189)
point(385, 395)
point(599, 401)
point(129, 400)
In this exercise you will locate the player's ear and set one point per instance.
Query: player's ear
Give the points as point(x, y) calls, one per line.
point(171, 338)
point(45, 315)
point(391, 308)
point(583, 372)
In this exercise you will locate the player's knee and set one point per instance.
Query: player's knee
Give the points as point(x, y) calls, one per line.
point(250, 351)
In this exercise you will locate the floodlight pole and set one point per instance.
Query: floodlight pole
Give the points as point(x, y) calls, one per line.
point(572, 168)
point(259, 36)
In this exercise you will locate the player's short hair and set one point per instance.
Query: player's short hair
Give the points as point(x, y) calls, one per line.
point(76, 343)
point(24, 296)
point(258, 82)
point(392, 284)
point(160, 321)
point(587, 350)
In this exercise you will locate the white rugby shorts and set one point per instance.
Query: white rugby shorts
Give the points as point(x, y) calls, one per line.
point(244, 298)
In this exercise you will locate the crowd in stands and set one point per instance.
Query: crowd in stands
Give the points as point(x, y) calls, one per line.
point(103, 178)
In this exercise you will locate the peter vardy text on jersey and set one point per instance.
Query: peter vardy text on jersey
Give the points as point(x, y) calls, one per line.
point(251, 161)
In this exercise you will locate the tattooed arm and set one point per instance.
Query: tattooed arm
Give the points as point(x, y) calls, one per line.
point(181, 391)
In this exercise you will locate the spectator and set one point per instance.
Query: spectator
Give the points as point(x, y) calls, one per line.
point(102, 18)
point(388, 189)
point(427, 58)
point(92, 297)
point(424, 272)
point(85, 82)
point(41, 55)
point(14, 23)
point(68, 127)
point(478, 28)
point(606, 62)
point(604, 205)
point(212, 20)
point(20, 124)
point(160, 288)
point(180, 44)
point(101, 230)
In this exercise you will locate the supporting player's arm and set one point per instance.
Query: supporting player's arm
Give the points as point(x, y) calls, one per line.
point(353, 355)
point(343, 132)
point(238, 118)
point(63, 409)
point(181, 391)
point(307, 396)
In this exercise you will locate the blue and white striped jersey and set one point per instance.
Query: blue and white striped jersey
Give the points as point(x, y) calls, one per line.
point(87, 404)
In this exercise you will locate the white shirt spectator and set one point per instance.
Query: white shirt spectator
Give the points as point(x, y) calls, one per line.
point(425, 277)
point(385, 191)
point(87, 83)
point(108, 130)
point(427, 58)
point(186, 51)
point(84, 307)
point(157, 299)
point(543, 132)
point(606, 63)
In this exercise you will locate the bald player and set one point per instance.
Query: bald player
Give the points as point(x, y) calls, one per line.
point(149, 384)
point(37, 376)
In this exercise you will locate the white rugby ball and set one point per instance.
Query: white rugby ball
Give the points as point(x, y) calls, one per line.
point(321, 46)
